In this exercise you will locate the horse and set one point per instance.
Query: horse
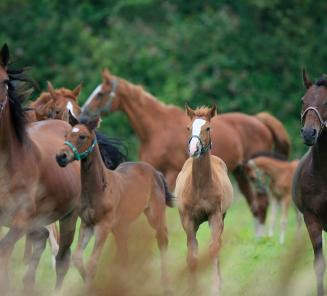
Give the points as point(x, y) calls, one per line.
point(56, 104)
point(310, 178)
point(113, 199)
point(203, 190)
point(235, 136)
point(280, 173)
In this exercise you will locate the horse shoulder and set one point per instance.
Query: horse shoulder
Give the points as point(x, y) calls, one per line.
point(184, 178)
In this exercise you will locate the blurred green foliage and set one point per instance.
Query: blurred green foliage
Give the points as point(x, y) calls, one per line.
point(245, 55)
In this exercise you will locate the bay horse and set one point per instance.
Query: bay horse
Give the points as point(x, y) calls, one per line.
point(280, 172)
point(34, 191)
point(56, 104)
point(203, 190)
point(113, 199)
point(310, 179)
point(235, 136)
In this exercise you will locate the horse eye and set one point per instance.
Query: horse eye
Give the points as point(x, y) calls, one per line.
point(208, 129)
point(82, 137)
point(57, 112)
point(188, 128)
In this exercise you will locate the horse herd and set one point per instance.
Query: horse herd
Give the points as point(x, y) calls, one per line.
point(56, 166)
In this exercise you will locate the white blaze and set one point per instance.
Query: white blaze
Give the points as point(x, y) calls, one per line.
point(93, 94)
point(75, 130)
point(196, 130)
point(70, 108)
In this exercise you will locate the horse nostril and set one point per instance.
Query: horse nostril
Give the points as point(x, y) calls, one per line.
point(64, 156)
point(314, 132)
point(302, 129)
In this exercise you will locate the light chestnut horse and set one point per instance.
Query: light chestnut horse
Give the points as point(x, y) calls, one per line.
point(280, 173)
point(112, 200)
point(203, 191)
point(35, 192)
point(235, 136)
point(56, 104)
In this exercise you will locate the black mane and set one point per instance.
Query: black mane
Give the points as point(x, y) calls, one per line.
point(19, 89)
point(322, 81)
point(113, 151)
point(269, 154)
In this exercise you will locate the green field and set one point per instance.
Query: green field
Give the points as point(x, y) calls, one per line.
point(249, 266)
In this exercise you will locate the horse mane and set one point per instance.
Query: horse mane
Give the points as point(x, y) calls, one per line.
point(202, 111)
point(113, 151)
point(322, 81)
point(270, 154)
point(19, 89)
point(66, 93)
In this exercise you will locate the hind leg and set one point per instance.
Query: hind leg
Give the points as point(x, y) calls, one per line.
point(283, 220)
point(272, 217)
point(53, 241)
point(38, 240)
point(121, 238)
point(85, 234)
point(157, 219)
point(67, 231)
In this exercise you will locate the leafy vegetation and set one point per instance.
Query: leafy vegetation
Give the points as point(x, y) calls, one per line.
point(244, 55)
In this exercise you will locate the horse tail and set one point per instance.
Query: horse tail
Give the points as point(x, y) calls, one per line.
point(113, 151)
point(279, 133)
point(169, 197)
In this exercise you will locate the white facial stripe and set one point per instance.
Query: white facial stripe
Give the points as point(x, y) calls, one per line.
point(70, 108)
point(75, 130)
point(93, 94)
point(196, 126)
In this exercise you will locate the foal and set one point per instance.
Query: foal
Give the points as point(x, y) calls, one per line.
point(112, 200)
point(203, 191)
point(280, 172)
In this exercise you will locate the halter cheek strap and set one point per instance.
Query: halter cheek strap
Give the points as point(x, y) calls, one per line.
point(204, 149)
point(83, 155)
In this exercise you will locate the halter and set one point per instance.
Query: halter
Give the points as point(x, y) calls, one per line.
point(323, 123)
point(204, 149)
point(112, 95)
point(77, 155)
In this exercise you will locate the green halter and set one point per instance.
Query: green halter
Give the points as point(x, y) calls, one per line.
point(77, 155)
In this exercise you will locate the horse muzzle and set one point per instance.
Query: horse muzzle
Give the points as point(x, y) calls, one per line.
point(62, 159)
point(309, 135)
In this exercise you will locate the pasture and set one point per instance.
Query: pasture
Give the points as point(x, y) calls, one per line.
point(249, 266)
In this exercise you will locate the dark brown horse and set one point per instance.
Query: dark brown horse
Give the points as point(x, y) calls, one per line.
point(310, 179)
point(112, 200)
point(162, 134)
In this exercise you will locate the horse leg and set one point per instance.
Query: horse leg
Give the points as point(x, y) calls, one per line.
point(67, 231)
point(7, 244)
point(85, 234)
point(171, 177)
point(216, 226)
point(272, 217)
point(157, 219)
point(190, 229)
point(27, 250)
point(283, 220)
point(101, 231)
point(121, 237)
point(245, 188)
point(53, 242)
point(37, 239)
point(315, 232)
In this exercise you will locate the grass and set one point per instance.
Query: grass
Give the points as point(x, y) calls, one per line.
point(249, 266)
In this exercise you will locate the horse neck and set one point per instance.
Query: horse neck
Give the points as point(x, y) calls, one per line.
point(93, 177)
point(141, 108)
point(271, 167)
point(319, 154)
point(201, 170)
point(11, 149)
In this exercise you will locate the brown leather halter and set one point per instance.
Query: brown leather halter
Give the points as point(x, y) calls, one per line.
point(323, 123)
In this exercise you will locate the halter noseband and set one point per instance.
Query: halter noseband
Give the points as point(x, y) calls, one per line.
point(315, 110)
point(83, 155)
point(111, 94)
point(204, 149)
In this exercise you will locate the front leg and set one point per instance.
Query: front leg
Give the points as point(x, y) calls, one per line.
point(315, 232)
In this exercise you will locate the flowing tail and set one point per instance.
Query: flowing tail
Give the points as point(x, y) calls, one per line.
point(280, 135)
point(169, 197)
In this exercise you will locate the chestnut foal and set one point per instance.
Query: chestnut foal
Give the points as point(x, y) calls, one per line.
point(203, 191)
point(112, 200)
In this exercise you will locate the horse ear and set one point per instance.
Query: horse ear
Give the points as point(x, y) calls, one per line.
point(52, 91)
point(4, 55)
point(106, 75)
point(189, 111)
point(306, 81)
point(77, 90)
point(213, 111)
point(93, 123)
